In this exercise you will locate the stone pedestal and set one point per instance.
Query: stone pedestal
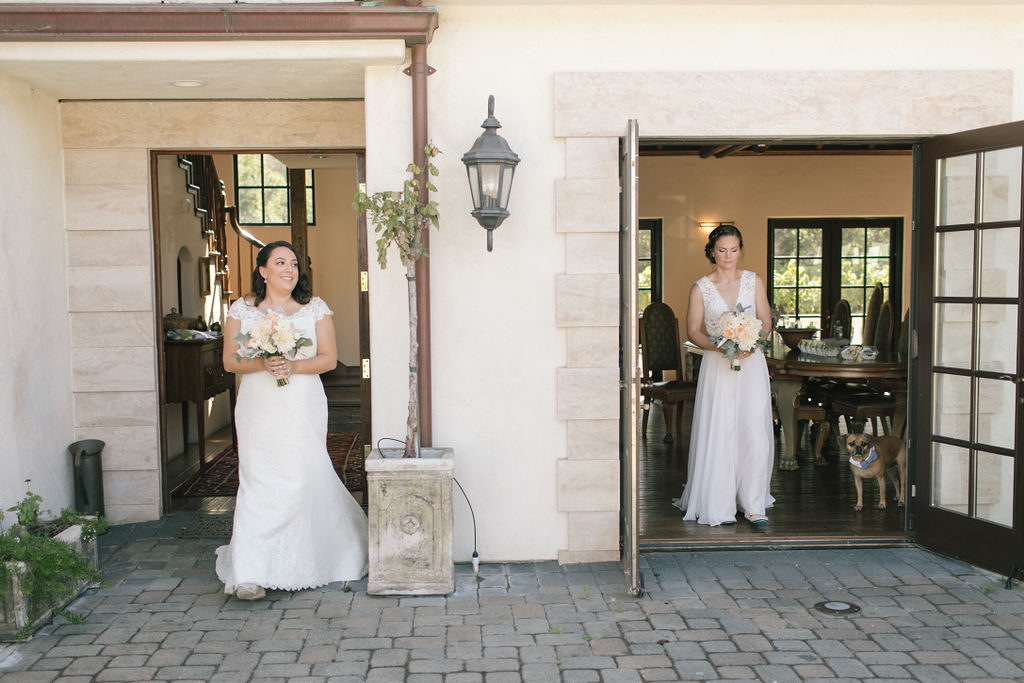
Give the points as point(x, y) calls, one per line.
point(410, 514)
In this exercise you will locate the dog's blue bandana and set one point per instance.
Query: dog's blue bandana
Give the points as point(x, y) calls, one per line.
point(863, 464)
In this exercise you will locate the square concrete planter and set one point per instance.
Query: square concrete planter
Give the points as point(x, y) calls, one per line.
point(410, 515)
point(14, 604)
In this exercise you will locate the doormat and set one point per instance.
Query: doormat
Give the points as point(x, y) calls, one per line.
point(209, 526)
point(221, 476)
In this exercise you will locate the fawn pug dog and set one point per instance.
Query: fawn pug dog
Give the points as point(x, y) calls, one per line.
point(870, 458)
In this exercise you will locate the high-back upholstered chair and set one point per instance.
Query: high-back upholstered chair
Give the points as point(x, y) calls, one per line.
point(841, 314)
point(660, 352)
point(871, 315)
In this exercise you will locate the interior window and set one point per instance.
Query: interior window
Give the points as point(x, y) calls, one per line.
point(261, 189)
point(815, 262)
point(649, 262)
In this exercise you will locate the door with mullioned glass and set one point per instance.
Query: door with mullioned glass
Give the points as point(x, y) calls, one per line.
point(969, 395)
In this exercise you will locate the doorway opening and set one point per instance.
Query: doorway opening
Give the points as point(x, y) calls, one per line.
point(205, 243)
point(687, 183)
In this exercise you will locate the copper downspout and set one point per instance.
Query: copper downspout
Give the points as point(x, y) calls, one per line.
point(419, 71)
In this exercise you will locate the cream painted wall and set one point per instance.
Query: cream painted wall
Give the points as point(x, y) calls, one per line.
point(35, 394)
point(749, 190)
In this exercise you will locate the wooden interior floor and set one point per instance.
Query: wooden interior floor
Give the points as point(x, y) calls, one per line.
point(813, 505)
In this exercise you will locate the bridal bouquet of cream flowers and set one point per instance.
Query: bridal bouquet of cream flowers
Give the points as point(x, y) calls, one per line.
point(737, 331)
point(272, 335)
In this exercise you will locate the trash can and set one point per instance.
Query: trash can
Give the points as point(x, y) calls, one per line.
point(87, 458)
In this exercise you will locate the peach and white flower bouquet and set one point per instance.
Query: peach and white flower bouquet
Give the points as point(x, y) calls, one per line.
point(737, 331)
point(272, 335)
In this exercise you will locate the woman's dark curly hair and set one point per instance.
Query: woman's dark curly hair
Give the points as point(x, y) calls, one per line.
point(303, 291)
point(717, 234)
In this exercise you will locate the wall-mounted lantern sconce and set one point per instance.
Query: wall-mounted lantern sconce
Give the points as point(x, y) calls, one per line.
point(490, 164)
point(707, 226)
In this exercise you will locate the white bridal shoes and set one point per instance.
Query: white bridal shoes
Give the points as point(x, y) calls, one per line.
point(250, 591)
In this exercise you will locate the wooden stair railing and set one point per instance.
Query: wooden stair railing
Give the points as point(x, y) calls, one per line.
point(231, 218)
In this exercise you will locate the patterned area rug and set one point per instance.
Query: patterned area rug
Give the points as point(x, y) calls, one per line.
point(221, 478)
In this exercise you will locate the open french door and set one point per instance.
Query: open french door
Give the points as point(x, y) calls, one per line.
point(629, 371)
point(969, 321)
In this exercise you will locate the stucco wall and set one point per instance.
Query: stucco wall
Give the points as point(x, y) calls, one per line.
point(35, 393)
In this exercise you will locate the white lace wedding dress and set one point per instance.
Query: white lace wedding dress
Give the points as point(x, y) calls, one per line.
point(732, 443)
point(296, 525)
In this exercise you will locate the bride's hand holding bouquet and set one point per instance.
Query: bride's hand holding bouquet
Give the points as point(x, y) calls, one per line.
point(737, 333)
point(272, 335)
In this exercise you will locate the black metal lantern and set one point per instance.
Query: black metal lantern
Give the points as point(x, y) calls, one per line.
point(490, 164)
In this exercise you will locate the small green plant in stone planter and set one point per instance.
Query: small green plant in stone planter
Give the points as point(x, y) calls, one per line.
point(400, 217)
point(44, 565)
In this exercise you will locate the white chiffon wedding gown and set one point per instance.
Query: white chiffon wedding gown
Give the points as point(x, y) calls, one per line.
point(732, 442)
point(296, 526)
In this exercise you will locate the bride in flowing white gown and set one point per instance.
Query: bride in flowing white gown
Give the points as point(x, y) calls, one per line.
point(732, 444)
point(296, 526)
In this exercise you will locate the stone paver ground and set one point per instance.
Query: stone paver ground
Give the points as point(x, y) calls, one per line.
point(726, 615)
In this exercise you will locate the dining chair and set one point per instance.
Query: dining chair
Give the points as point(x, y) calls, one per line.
point(841, 315)
point(872, 402)
point(660, 352)
point(882, 338)
point(871, 315)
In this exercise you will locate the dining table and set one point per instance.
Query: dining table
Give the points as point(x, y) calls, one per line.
point(789, 369)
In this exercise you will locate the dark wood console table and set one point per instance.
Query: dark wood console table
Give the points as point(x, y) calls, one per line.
point(195, 372)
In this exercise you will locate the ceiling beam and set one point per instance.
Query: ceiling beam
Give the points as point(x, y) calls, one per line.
point(83, 22)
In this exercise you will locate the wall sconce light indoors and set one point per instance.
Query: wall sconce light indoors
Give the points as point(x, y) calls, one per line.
point(707, 226)
point(490, 165)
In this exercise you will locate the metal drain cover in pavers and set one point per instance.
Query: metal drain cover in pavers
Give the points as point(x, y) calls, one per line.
point(836, 608)
point(209, 526)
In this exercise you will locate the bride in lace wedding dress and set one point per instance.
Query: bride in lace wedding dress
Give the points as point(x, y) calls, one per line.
point(296, 526)
point(732, 442)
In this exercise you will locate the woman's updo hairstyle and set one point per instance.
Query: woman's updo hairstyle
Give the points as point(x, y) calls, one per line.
point(303, 291)
point(717, 234)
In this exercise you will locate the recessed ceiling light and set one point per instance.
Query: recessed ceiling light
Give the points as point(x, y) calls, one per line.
point(187, 84)
point(320, 156)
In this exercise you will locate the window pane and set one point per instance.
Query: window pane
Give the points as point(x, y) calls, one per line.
point(954, 264)
point(310, 218)
point(810, 302)
point(999, 254)
point(785, 301)
point(1000, 200)
point(995, 411)
point(644, 275)
point(785, 273)
point(644, 299)
point(275, 174)
point(249, 206)
point(810, 241)
point(853, 242)
point(852, 272)
point(275, 205)
point(993, 493)
point(956, 189)
point(951, 415)
point(877, 270)
point(785, 242)
point(855, 296)
point(953, 325)
point(810, 272)
point(879, 242)
point(950, 477)
point(997, 338)
point(249, 169)
point(644, 244)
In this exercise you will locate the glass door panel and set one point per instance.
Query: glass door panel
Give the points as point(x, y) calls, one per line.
point(1000, 200)
point(997, 338)
point(954, 263)
point(952, 411)
point(956, 189)
point(999, 250)
point(953, 327)
point(994, 488)
point(951, 476)
point(995, 407)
